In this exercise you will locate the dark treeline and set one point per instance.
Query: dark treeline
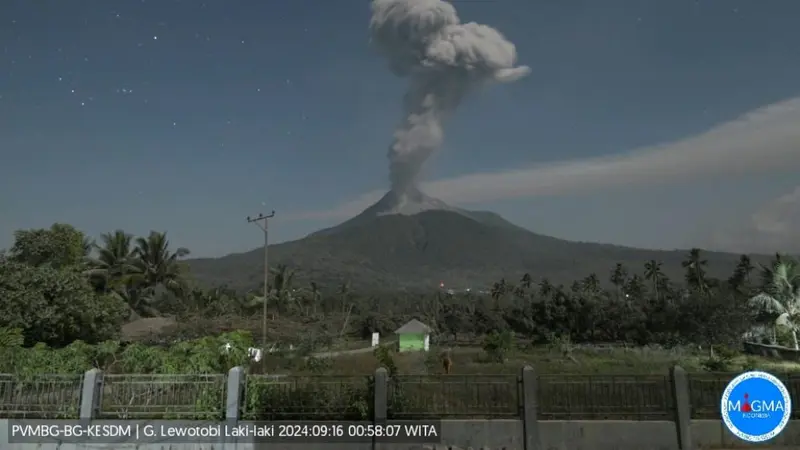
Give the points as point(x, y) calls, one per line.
point(57, 286)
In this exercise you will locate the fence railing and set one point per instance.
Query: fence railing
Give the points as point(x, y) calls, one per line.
point(40, 396)
point(253, 397)
point(415, 396)
point(306, 397)
point(143, 396)
point(605, 397)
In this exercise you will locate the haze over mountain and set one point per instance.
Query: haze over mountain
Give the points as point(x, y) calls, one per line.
point(417, 242)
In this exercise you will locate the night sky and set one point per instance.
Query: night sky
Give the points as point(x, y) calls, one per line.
point(187, 116)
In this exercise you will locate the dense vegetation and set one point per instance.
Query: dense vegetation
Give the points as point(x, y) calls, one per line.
point(59, 288)
point(65, 301)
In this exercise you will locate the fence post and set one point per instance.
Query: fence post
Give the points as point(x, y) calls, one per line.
point(380, 395)
point(380, 399)
point(91, 394)
point(683, 411)
point(234, 393)
point(530, 420)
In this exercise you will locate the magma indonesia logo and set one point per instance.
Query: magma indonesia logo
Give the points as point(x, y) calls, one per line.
point(756, 406)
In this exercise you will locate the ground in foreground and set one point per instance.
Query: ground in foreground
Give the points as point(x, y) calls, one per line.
point(580, 360)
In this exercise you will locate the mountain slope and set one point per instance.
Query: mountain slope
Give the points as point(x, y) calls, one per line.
point(460, 248)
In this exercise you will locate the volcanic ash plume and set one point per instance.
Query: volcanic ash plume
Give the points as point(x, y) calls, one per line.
point(444, 59)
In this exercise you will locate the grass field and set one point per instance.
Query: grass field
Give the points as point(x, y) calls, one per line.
point(467, 355)
point(579, 360)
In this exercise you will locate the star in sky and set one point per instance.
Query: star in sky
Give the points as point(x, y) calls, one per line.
point(89, 82)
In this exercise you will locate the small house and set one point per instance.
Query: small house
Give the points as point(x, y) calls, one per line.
point(414, 336)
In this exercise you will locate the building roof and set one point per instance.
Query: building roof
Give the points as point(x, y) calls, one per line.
point(414, 326)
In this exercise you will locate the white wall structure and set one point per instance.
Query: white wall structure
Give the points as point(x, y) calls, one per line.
point(376, 339)
point(254, 353)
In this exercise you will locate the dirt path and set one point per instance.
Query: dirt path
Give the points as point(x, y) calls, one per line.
point(336, 353)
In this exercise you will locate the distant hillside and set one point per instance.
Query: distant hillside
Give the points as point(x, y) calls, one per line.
point(460, 248)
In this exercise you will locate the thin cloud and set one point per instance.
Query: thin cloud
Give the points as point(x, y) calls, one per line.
point(761, 141)
point(774, 228)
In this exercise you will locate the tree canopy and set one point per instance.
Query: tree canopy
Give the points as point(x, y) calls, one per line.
point(57, 286)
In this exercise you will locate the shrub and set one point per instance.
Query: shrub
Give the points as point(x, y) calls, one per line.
point(497, 345)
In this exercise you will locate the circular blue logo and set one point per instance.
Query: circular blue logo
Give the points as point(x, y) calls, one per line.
point(756, 406)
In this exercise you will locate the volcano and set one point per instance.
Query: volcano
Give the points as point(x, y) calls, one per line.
point(412, 203)
point(406, 203)
point(413, 241)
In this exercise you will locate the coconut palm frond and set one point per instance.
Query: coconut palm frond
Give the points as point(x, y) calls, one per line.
point(11, 337)
point(766, 303)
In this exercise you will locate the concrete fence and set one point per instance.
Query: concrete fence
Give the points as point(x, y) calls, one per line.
point(526, 431)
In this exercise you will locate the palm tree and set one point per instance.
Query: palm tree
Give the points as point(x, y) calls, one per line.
point(139, 301)
point(741, 275)
point(282, 278)
point(745, 267)
point(157, 266)
point(618, 277)
point(653, 273)
point(315, 296)
point(525, 281)
point(591, 283)
point(114, 264)
point(282, 282)
point(779, 300)
point(634, 288)
point(344, 294)
point(88, 245)
point(545, 287)
point(499, 289)
point(781, 279)
point(695, 270)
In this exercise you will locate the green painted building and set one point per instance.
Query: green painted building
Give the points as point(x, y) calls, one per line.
point(414, 336)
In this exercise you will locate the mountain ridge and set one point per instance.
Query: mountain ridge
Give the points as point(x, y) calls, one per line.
point(418, 243)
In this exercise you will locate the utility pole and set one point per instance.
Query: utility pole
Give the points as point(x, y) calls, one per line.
point(265, 227)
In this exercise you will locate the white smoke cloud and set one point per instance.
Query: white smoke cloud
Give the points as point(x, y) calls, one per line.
point(444, 60)
point(774, 228)
point(762, 141)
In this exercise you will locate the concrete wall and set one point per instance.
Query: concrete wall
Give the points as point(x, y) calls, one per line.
point(501, 434)
point(713, 434)
point(525, 433)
